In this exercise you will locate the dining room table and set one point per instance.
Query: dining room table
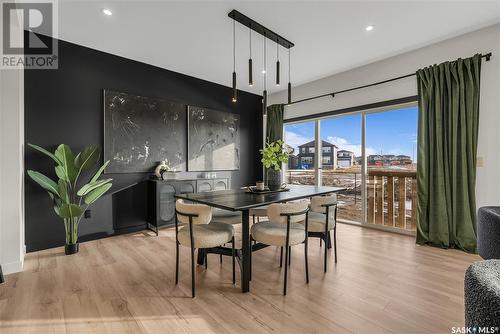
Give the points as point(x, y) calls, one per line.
point(243, 200)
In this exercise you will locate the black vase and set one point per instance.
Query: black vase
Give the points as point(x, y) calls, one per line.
point(71, 248)
point(274, 179)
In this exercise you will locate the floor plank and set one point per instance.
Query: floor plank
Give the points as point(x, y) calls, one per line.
point(383, 283)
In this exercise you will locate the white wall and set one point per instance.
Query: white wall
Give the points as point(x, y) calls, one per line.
point(11, 168)
point(481, 41)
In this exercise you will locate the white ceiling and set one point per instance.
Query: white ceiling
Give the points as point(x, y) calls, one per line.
point(195, 37)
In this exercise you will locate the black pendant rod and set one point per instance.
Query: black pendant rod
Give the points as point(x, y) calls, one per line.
point(257, 27)
point(332, 94)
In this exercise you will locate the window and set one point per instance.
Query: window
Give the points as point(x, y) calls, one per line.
point(300, 163)
point(327, 160)
point(345, 133)
point(311, 149)
point(306, 160)
point(391, 141)
point(327, 149)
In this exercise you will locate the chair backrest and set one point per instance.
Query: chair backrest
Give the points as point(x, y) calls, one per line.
point(203, 212)
point(318, 202)
point(275, 210)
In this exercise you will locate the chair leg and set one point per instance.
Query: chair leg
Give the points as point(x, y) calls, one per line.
point(281, 257)
point(206, 258)
point(307, 265)
point(320, 242)
point(289, 255)
point(232, 254)
point(329, 240)
point(220, 258)
point(286, 269)
point(192, 270)
point(326, 249)
point(335, 242)
point(176, 263)
point(250, 257)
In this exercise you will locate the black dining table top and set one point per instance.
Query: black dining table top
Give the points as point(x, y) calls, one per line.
point(235, 200)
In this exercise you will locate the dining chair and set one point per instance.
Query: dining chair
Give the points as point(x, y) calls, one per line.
point(199, 232)
point(322, 220)
point(284, 229)
point(259, 212)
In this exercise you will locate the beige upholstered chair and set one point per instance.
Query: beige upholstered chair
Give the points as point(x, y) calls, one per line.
point(284, 229)
point(199, 232)
point(322, 220)
point(258, 213)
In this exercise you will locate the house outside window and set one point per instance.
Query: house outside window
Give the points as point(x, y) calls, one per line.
point(326, 160)
point(311, 149)
point(306, 160)
point(327, 149)
point(303, 150)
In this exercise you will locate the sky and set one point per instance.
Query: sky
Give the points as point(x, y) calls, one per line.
point(388, 132)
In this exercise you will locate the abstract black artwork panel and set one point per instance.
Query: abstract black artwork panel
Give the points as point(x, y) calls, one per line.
point(140, 131)
point(213, 140)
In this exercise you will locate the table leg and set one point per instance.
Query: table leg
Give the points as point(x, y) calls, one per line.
point(1, 276)
point(201, 257)
point(245, 251)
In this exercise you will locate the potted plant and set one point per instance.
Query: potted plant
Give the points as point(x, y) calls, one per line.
point(70, 197)
point(273, 156)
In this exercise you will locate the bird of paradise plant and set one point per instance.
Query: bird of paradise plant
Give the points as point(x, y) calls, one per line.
point(70, 198)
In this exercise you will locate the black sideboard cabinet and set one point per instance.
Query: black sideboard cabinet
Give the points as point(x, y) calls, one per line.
point(162, 197)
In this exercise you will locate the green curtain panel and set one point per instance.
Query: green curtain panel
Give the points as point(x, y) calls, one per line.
point(274, 130)
point(448, 100)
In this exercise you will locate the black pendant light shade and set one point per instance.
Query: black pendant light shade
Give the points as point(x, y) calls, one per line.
point(235, 96)
point(289, 93)
point(289, 83)
point(277, 64)
point(250, 71)
point(250, 67)
point(278, 73)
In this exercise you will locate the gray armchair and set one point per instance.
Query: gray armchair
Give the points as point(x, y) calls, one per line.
point(482, 294)
point(488, 232)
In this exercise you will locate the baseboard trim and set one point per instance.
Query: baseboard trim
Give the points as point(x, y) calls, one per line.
point(378, 227)
point(12, 267)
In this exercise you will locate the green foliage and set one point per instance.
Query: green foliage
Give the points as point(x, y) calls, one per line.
point(67, 201)
point(274, 154)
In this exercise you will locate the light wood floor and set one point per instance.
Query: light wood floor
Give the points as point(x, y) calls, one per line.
point(383, 283)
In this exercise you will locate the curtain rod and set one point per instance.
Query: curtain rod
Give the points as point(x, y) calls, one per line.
point(332, 94)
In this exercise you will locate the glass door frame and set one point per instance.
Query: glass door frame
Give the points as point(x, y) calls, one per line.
point(363, 111)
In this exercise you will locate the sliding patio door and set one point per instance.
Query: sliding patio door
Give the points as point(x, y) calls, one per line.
point(391, 188)
point(341, 162)
point(370, 153)
point(301, 168)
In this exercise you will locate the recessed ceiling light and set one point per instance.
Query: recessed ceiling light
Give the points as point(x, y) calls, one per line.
point(263, 72)
point(107, 12)
point(369, 28)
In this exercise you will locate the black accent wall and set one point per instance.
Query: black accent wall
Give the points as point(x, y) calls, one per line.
point(66, 106)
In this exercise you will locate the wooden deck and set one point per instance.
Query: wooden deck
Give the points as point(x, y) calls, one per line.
point(383, 283)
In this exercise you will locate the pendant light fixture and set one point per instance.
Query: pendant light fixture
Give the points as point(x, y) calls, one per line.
point(277, 64)
point(264, 94)
point(235, 97)
point(289, 80)
point(250, 70)
point(280, 41)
